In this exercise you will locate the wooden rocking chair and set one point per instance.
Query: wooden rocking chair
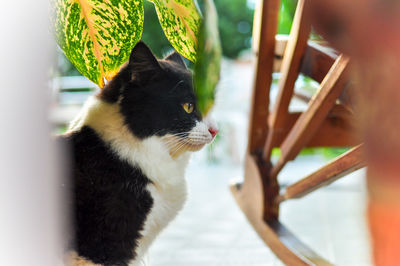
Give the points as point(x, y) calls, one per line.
point(328, 121)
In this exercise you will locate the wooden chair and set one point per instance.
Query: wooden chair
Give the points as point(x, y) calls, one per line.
point(328, 121)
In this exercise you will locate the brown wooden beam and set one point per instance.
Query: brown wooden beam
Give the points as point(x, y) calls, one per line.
point(335, 131)
point(283, 243)
point(316, 62)
point(305, 97)
point(341, 166)
point(313, 117)
point(263, 75)
point(289, 72)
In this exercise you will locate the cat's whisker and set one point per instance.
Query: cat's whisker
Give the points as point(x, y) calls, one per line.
point(177, 144)
point(173, 140)
point(172, 145)
point(184, 143)
point(181, 133)
point(178, 148)
point(175, 136)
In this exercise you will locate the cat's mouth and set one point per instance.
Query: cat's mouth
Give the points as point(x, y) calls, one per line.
point(201, 134)
point(180, 144)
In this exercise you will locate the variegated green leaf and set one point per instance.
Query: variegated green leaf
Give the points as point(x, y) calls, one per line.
point(97, 36)
point(208, 64)
point(180, 22)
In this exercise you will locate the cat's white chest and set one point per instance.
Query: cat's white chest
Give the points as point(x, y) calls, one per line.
point(167, 188)
point(166, 205)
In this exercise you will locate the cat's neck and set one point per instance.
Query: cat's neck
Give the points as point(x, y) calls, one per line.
point(106, 120)
point(150, 154)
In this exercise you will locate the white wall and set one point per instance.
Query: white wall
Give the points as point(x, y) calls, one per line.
point(29, 204)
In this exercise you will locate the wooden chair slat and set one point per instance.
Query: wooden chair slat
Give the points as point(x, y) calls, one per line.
point(335, 131)
point(341, 166)
point(318, 109)
point(290, 69)
point(302, 96)
point(263, 76)
point(316, 62)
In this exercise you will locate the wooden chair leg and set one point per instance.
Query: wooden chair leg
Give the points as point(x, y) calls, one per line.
point(263, 75)
point(250, 198)
point(290, 69)
point(260, 102)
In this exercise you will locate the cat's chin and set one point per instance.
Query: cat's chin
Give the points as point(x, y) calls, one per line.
point(194, 147)
point(177, 146)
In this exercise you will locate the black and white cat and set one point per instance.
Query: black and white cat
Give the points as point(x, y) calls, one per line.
point(131, 144)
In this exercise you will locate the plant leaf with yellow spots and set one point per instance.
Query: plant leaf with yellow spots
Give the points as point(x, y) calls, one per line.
point(180, 22)
point(208, 64)
point(97, 36)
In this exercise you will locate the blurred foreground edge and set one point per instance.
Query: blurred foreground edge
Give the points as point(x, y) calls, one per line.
point(368, 31)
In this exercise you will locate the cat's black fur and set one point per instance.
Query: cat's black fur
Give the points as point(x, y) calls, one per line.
point(110, 200)
point(152, 92)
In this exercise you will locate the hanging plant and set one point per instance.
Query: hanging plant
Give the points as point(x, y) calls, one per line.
point(97, 36)
point(180, 22)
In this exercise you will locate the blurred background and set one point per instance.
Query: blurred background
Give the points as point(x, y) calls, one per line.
point(211, 230)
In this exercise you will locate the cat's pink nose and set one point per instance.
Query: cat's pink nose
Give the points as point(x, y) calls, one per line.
point(213, 131)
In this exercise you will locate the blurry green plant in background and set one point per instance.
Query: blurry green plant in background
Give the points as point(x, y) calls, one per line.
point(235, 26)
point(286, 15)
point(153, 34)
point(329, 153)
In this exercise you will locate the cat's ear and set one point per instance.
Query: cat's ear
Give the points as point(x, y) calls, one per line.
point(177, 58)
point(142, 59)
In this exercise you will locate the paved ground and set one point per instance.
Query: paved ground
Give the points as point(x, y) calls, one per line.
point(211, 230)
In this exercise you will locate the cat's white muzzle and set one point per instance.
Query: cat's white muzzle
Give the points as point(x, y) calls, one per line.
point(201, 134)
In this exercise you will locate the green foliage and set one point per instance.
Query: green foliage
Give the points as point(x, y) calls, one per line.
point(236, 21)
point(235, 26)
point(97, 36)
point(208, 58)
point(153, 34)
point(286, 15)
point(328, 153)
point(180, 22)
point(331, 153)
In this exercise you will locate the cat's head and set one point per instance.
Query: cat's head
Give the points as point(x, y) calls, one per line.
point(156, 98)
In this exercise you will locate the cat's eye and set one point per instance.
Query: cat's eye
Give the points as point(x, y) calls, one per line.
point(188, 107)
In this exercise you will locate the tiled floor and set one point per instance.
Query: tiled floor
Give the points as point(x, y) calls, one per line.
point(211, 230)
